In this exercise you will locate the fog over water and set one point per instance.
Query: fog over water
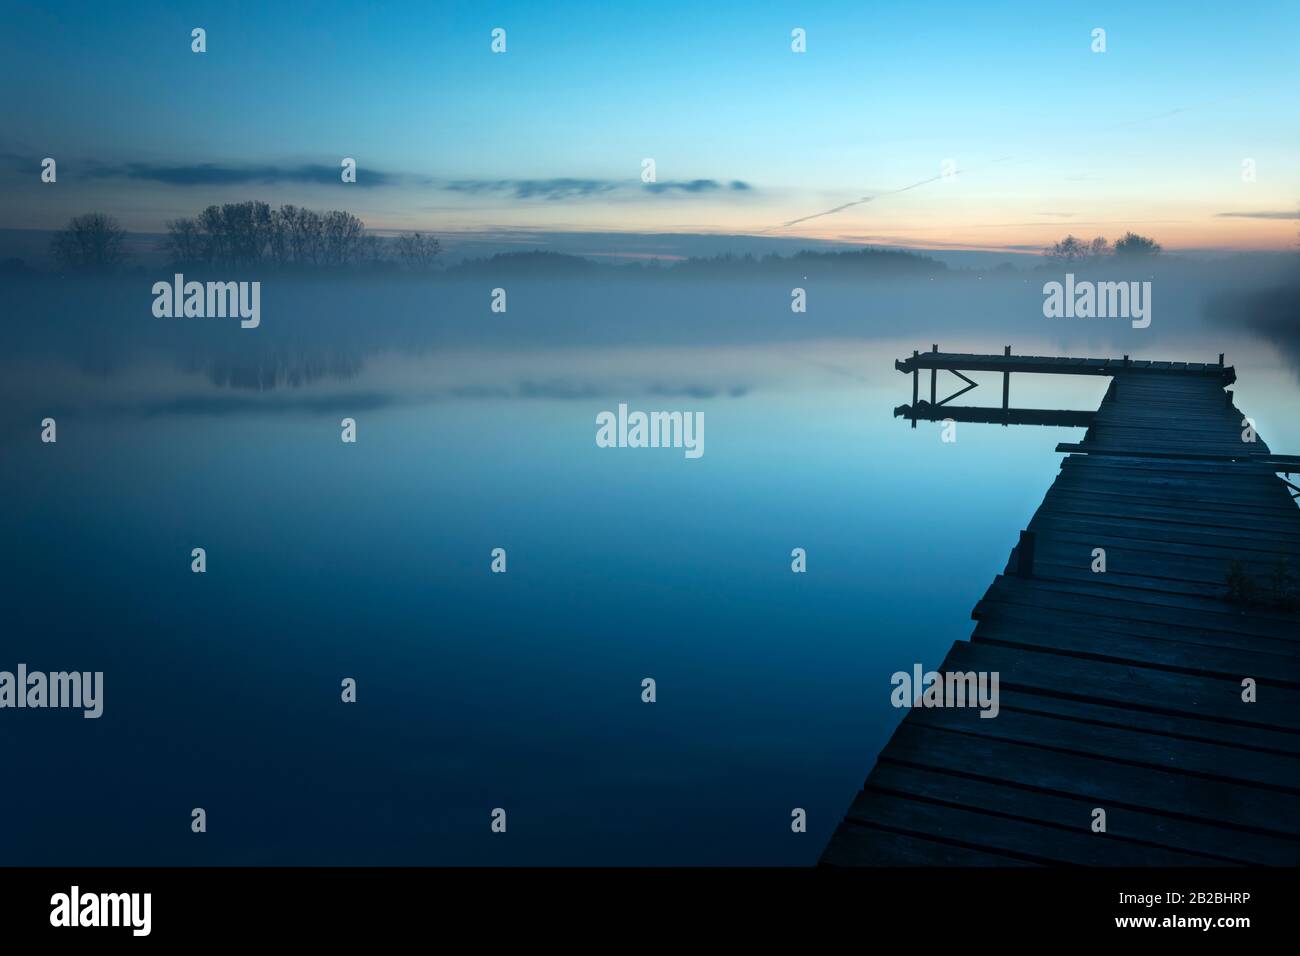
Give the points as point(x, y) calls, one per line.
point(476, 430)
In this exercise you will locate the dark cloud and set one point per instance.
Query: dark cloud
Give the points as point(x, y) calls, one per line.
point(696, 391)
point(219, 174)
point(570, 188)
point(558, 389)
point(686, 186)
point(552, 189)
point(215, 174)
point(479, 391)
point(1271, 214)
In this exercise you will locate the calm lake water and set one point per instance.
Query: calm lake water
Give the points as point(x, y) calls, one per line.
point(476, 431)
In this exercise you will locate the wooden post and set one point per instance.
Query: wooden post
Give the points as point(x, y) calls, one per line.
point(1006, 382)
point(1025, 555)
point(1220, 360)
point(916, 383)
point(934, 378)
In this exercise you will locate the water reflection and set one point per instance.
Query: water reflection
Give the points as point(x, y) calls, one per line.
point(477, 431)
point(280, 369)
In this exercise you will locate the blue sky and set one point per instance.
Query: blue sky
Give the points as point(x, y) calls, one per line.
point(1046, 135)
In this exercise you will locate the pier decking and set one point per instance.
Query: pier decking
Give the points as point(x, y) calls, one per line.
point(1120, 690)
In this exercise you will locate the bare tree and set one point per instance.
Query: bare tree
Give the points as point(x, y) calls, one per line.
point(278, 244)
point(342, 233)
point(372, 252)
point(249, 225)
point(89, 242)
point(185, 242)
point(252, 233)
point(304, 238)
point(417, 251)
point(1099, 248)
point(216, 242)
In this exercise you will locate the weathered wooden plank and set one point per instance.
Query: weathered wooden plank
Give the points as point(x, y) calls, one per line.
point(1249, 470)
point(1173, 453)
point(1159, 531)
point(1274, 503)
point(1068, 500)
point(1135, 826)
point(1144, 606)
point(1046, 633)
point(1246, 469)
point(1104, 629)
point(1236, 517)
point(1196, 569)
point(1169, 579)
point(1133, 686)
point(1112, 443)
point(1204, 553)
point(1107, 782)
point(1180, 419)
point(853, 845)
point(1125, 745)
point(1025, 839)
point(1053, 568)
point(1264, 740)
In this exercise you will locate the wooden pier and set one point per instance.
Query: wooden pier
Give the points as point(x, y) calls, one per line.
point(1120, 690)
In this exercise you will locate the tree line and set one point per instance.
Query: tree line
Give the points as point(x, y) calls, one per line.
point(249, 234)
point(1130, 246)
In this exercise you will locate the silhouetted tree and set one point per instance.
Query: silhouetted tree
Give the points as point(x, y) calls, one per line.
point(1133, 246)
point(372, 252)
point(342, 234)
point(185, 243)
point(417, 251)
point(91, 241)
point(236, 233)
point(1099, 248)
point(306, 238)
point(1068, 249)
point(252, 233)
point(248, 225)
point(278, 244)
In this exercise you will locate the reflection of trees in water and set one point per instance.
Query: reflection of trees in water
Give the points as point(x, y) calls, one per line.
point(272, 370)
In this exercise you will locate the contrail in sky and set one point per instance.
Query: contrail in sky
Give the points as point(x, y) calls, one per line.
point(867, 199)
point(926, 182)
